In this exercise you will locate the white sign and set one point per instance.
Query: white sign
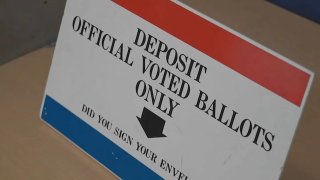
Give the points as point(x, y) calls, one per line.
point(154, 89)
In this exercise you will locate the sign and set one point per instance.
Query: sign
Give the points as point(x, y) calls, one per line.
point(154, 89)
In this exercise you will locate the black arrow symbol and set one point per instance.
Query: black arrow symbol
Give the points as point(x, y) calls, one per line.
point(152, 124)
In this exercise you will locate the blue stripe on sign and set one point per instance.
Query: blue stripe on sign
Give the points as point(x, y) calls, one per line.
point(98, 146)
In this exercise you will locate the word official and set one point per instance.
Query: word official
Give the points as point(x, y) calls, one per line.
point(104, 40)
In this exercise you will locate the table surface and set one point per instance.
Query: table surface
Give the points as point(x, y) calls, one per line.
point(30, 149)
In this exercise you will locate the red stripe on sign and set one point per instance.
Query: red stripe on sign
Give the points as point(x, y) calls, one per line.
point(240, 55)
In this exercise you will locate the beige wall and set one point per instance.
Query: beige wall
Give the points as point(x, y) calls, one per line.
point(26, 25)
